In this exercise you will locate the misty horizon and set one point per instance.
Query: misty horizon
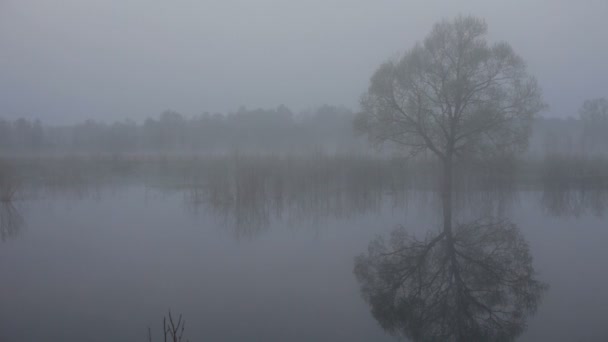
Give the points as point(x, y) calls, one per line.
point(303, 171)
point(108, 61)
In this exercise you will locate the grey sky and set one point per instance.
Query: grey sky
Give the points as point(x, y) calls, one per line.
point(65, 61)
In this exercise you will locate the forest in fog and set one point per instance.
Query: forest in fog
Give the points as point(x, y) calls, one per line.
point(327, 129)
point(273, 130)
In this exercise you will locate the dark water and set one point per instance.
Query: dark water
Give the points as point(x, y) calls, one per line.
point(243, 263)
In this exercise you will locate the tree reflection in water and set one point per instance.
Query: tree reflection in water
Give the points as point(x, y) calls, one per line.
point(478, 286)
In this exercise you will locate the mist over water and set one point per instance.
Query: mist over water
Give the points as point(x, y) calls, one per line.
point(246, 246)
point(314, 171)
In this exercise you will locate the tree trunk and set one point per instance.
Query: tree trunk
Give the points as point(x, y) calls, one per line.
point(446, 197)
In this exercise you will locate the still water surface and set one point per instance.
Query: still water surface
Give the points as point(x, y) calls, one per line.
point(105, 265)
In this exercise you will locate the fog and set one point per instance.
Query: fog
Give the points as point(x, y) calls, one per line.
point(305, 171)
point(66, 61)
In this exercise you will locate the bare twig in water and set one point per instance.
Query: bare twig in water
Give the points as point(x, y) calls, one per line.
point(172, 331)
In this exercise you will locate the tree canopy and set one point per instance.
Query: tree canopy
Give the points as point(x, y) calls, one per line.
point(454, 94)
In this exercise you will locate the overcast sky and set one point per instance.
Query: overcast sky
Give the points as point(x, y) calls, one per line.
point(66, 61)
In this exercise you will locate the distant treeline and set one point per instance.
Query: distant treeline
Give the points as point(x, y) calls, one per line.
point(262, 130)
point(327, 128)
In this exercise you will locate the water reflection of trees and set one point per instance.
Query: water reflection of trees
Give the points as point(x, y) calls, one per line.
point(561, 201)
point(479, 285)
point(11, 221)
point(250, 193)
point(574, 186)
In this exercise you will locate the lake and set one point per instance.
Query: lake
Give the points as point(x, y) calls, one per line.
point(270, 261)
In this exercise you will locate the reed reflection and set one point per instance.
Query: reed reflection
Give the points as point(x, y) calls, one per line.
point(250, 196)
point(11, 221)
point(574, 202)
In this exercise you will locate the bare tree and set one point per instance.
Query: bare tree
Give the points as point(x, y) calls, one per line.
point(478, 286)
point(455, 96)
